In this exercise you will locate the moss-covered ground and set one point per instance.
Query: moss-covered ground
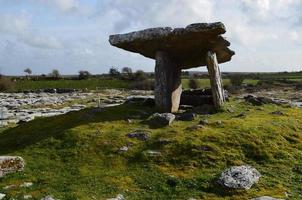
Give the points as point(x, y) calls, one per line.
point(75, 156)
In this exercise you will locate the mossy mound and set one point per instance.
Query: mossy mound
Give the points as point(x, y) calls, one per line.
point(77, 156)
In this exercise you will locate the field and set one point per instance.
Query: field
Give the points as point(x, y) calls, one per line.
point(75, 156)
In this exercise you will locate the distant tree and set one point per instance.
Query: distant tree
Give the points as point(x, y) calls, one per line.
point(84, 74)
point(140, 75)
point(55, 74)
point(193, 83)
point(114, 72)
point(28, 71)
point(127, 73)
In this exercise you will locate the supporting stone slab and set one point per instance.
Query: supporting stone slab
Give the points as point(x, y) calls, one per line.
point(215, 78)
point(168, 86)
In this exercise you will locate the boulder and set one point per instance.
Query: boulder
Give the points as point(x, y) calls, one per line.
point(239, 177)
point(161, 119)
point(10, 164)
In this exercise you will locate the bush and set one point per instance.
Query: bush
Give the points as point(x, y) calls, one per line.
point(237, 80)
point(193, 84)
point(140, 75)
point(127, 73)
point(6, 84)
point(143, 85)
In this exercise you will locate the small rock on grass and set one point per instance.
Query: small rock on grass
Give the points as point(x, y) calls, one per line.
point(27, 196)
point(118, 197)
point(140, 135)
point(239, 177)
point(49, 197)
point(26, 184)
point(265, 198)
point(10, 164)
point(2, 196)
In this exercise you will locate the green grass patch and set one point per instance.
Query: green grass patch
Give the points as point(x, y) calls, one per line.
point(75, 156)
point(91, 84)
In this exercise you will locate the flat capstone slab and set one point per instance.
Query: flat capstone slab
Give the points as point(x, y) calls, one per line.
point(187, 46)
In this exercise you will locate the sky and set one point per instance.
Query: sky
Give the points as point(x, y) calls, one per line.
point(72, 35)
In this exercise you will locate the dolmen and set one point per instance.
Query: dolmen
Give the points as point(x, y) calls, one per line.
point(196, 45)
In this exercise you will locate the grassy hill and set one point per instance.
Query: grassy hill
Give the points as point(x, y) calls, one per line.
point(75, 156)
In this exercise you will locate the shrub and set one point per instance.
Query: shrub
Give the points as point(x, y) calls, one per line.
point(127, 73)
point(237, 80)
point(140, 75)
point(193, 84)
point(6, 84)
point(142, 85)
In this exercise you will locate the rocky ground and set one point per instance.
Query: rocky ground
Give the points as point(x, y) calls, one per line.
point(24, 107)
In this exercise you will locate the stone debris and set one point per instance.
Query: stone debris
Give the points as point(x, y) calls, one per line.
point(239, 177)
point(26, 184)
point(265, 198)
point(118, 197)
point(140, 135)
point(10, 164)
point(2, 196)
point(123, 149)
point(49, 197)
point(27, 196)
point(261, 100)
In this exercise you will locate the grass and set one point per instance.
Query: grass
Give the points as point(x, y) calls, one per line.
point(91, 84)
point(75, 156)
point(203, 83)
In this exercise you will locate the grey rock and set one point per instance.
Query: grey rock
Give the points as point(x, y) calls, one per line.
point(162, 119)
point(10, 164)
point(186, 117)
point(265, 198)
point(140, 135)
point(239, 177)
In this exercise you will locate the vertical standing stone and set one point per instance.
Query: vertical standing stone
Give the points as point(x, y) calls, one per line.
point(215, 78)
point(167, 83)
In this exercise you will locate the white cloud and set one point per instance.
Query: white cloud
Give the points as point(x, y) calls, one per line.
point(44, 42)
point(14, 24)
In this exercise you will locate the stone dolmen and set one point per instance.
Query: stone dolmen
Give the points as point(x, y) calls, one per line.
point(176, 49)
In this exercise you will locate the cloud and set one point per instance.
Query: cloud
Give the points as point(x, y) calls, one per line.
point(14, 24)
point(43, 42)
point(130, 14)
